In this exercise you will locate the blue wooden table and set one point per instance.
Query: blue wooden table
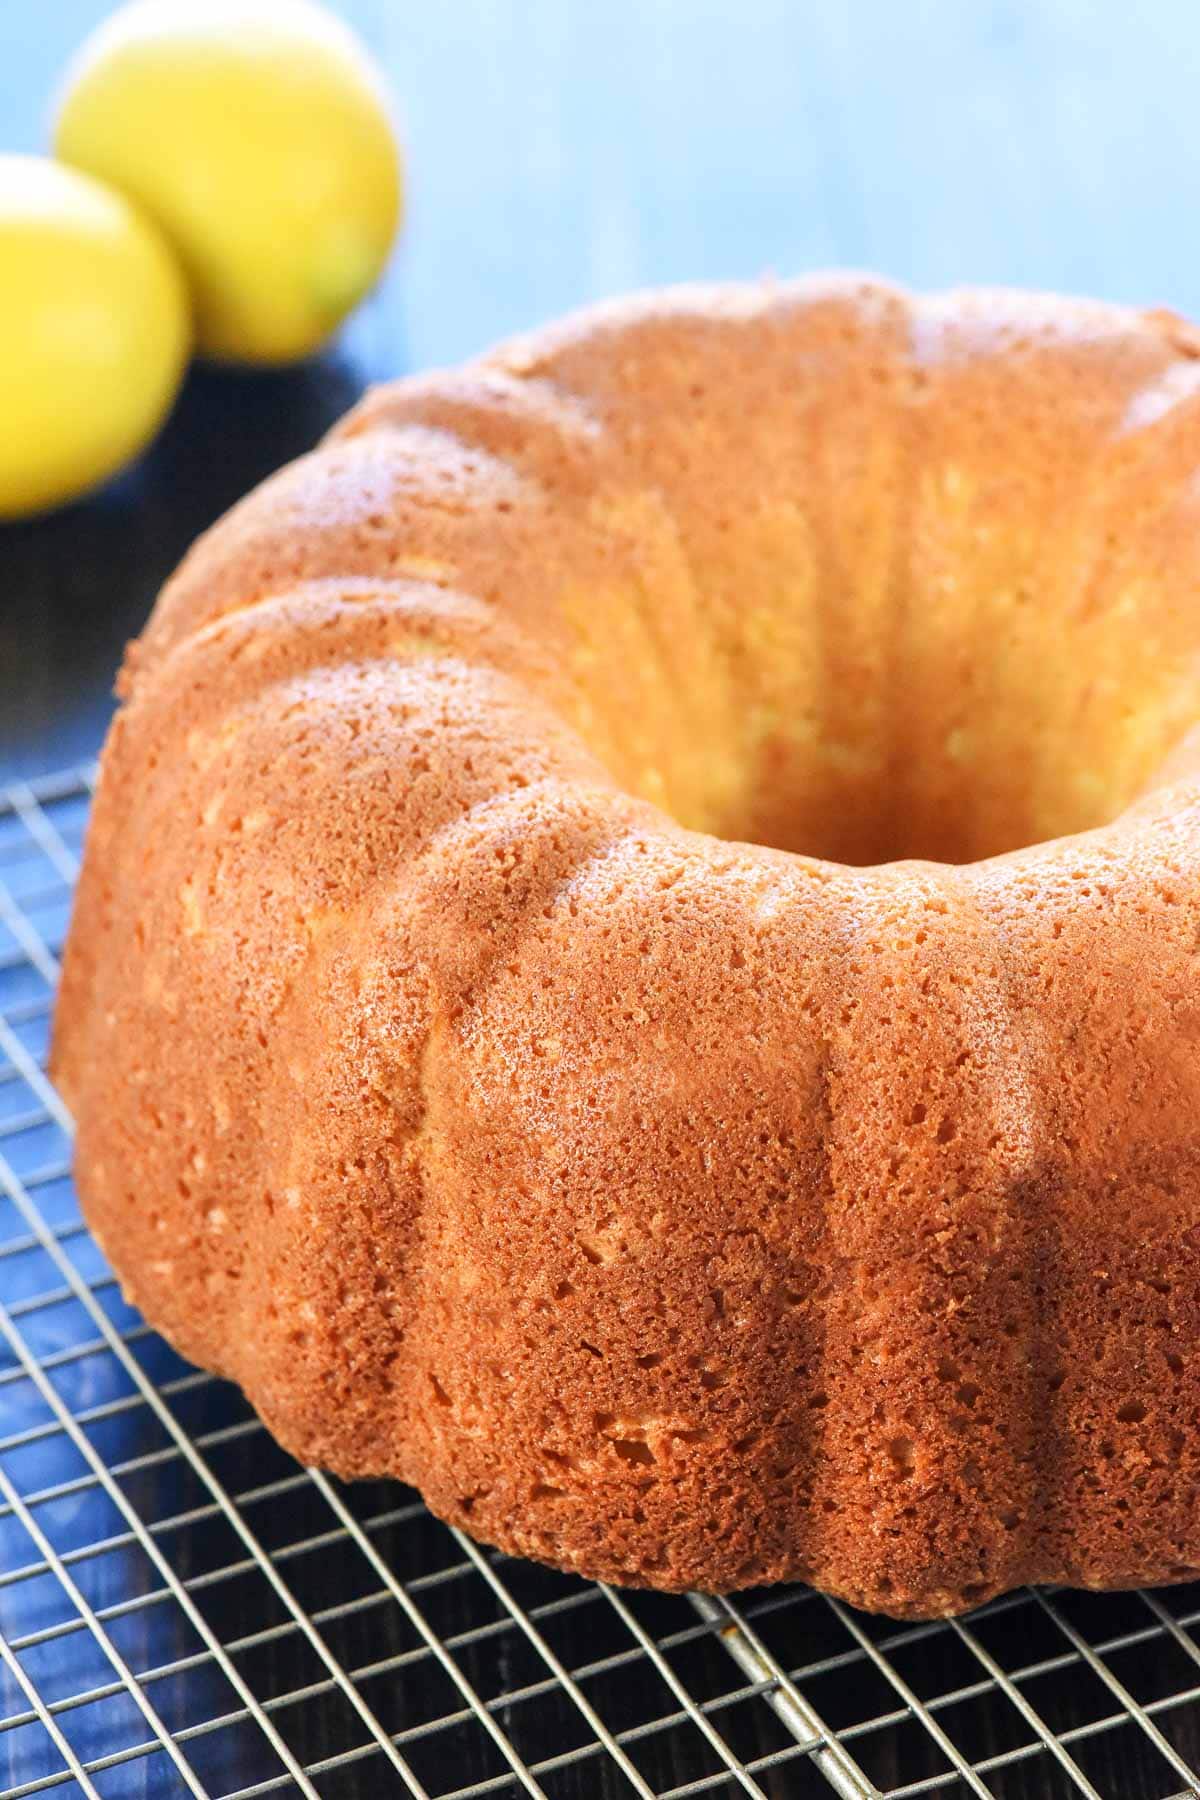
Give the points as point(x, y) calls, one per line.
point(561, 150)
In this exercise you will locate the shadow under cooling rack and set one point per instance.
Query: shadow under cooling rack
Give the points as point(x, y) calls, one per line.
point(183, 1609)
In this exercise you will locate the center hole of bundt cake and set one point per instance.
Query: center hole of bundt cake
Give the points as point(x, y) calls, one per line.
point(976, 751)
point(955, 801)
point(955, 795)
point(1016, 682)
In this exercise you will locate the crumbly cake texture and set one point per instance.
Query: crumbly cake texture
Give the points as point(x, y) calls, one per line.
point(637, 965)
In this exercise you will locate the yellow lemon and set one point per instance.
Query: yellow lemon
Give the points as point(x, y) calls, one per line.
point(256, 134)
point(94, 333)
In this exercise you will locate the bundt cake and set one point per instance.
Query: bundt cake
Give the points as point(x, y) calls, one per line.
point(637, 965)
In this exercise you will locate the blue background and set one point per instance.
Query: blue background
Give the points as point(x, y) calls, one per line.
point(561, 150)
point(564, 149)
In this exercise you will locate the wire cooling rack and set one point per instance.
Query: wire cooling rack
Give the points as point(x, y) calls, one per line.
point(184, 1610)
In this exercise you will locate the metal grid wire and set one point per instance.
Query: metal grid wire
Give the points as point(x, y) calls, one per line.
point(184, 1610)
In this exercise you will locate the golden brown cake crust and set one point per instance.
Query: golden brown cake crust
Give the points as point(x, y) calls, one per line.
point(457, 1071)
